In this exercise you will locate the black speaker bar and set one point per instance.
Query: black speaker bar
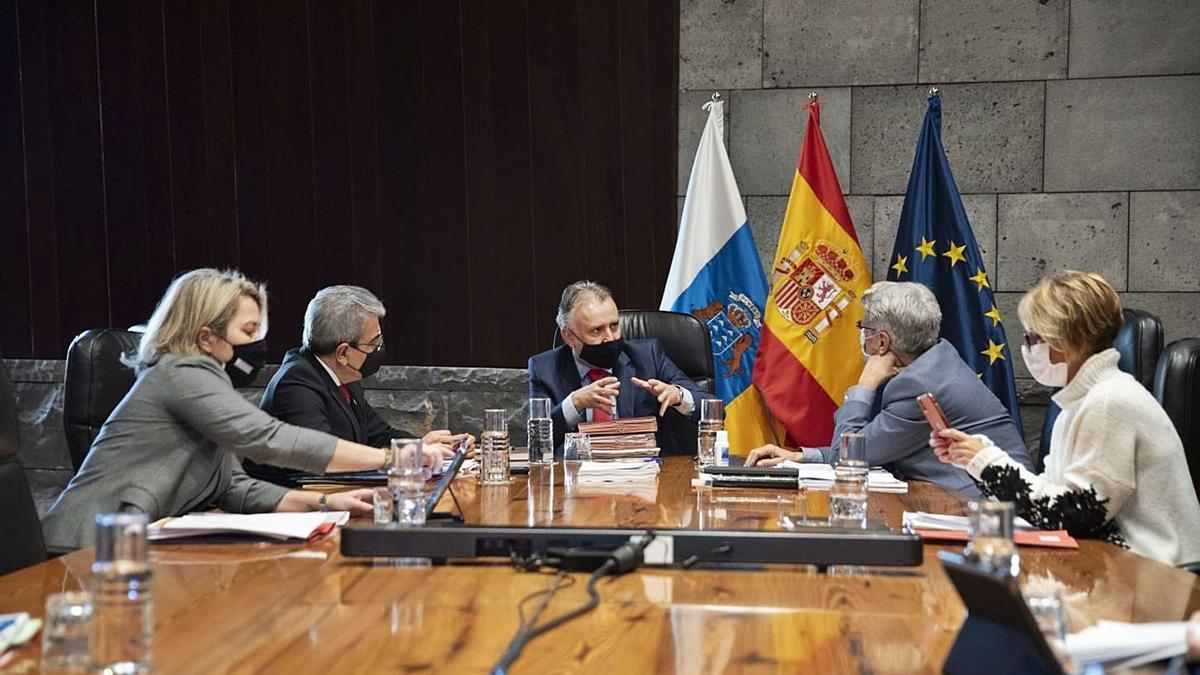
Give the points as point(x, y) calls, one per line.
point(815, 546)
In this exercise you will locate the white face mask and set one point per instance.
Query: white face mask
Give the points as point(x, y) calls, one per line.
point(1037, 360)
point(862, 344)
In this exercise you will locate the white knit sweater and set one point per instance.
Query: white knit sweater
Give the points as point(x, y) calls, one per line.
point(1113, 436)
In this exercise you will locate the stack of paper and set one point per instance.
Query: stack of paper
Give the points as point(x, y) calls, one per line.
point(820, 476)
point(632, 437)
point(1133, 644)
point(280, 526)
point(941, 527)
point(624, 425)
point(618, 471)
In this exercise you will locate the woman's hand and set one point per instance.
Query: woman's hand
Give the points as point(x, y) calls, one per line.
point(955, 447)
point(771, 455)
point(358, 502)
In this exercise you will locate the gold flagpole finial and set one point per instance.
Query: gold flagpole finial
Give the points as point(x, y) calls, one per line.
point(812, 96)
point(716, 96)
point(933, 91)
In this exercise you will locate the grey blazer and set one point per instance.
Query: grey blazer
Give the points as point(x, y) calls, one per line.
point(171, 447)
point(896, 430)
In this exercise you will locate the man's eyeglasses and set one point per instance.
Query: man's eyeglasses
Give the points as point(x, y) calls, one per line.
point(860, 326)
point(1032, 338)
point(369, 348)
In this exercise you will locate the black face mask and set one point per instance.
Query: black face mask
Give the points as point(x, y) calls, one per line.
point(603, 355)
point(247, 360)
point(370, 364)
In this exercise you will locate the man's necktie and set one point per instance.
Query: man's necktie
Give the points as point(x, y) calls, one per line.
point(599, 414)
point(345, 392)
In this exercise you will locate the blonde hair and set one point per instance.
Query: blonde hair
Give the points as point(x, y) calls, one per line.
point(195, 299)
point(1074, 312)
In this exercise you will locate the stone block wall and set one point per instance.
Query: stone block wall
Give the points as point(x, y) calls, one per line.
point(416, 399)
point(1072, 127)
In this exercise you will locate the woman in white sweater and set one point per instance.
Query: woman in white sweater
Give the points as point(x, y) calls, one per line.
point(1116, 468)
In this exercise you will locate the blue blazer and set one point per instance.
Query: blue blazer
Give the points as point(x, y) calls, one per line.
point(897, 434)
point(553, 375)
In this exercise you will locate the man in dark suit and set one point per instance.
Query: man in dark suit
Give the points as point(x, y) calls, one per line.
point(597, 376)
point(904, 359)
point(319, 386)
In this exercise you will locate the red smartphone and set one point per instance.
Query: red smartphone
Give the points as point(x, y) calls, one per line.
point(933, 412)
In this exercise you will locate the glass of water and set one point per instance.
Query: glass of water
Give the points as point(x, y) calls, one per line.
point(541, 432)
point(66, 631)
point(712, 420)
point(991, 542)
point(1049, 610)
point(406, 478)
point(122, 601)
point(577, 447)
point(495, 468)
point(383, 500)
point(850, 490)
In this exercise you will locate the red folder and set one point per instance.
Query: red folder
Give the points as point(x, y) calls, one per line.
point(1045, 538)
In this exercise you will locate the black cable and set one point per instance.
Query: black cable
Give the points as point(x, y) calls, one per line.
point(624, 558)
point(528, 632)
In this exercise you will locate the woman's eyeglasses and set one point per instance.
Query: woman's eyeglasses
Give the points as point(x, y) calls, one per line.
point(1032, 338)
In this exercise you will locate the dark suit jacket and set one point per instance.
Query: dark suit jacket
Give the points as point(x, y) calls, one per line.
point(553, 375)
point(302, 393)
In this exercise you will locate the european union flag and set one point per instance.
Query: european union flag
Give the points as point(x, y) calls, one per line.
point(936, 247)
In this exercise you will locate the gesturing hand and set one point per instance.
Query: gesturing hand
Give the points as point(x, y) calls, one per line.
point(667, 394)
point(601, 395)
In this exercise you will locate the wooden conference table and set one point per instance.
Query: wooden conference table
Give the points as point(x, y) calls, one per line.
point(258, 607)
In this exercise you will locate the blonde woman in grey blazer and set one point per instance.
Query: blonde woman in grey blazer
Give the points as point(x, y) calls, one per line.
point(172, 444)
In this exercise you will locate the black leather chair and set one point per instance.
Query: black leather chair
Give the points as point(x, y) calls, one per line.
point(1139, 342)
point(96, 381)
point(1177, 388)
point(22, 531)
point(685, 341)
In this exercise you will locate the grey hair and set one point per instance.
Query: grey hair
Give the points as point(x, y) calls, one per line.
point(336, 315)
point(575, 293)
point(908, 311)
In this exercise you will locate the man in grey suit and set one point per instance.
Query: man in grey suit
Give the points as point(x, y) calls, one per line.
point(906, 358)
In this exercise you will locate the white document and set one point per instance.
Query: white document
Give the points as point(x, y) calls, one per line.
point(1109, 641)
point(820, 476)
point(919, 520)
point(281, 526)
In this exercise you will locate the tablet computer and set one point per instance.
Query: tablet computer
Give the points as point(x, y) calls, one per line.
point(1000, 634)
point(447, 476)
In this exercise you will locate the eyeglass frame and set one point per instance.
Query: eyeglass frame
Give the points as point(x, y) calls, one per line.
point(859, 325)
point(1032, 338)
point(376, 345)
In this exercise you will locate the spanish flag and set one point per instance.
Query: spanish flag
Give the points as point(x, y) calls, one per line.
point(809, 352)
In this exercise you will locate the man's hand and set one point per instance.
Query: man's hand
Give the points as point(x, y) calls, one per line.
point(357, 502)
point(954, 447)
point(667, 394)
point(600, 395)
point(879, 369)
point(771, 455)
point(447, 443)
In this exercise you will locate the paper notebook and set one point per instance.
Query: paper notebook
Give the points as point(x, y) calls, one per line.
point(278, 526)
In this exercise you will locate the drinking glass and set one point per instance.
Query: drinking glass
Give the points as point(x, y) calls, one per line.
point(712, 420)
point(67, 629)
point(991, 543)
point(406, 478)
point(850, 490)
point(495, 461)
point(540, 431)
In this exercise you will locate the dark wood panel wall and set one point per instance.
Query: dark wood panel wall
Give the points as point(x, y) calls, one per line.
point(464, 160)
